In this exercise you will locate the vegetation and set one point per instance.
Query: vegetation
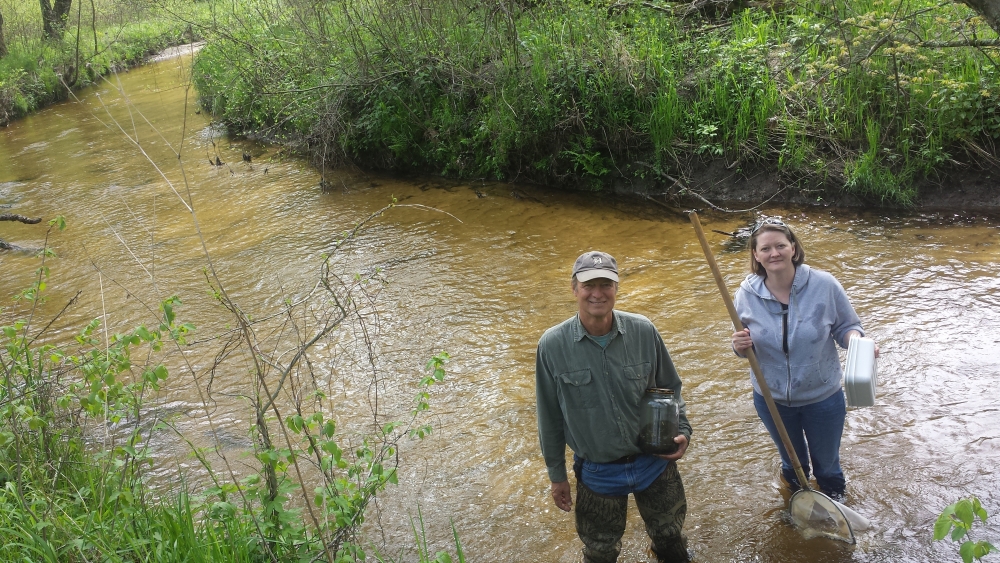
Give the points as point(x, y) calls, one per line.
point(42, 57)
point(871, 95)
point(956, 521)
point(76, 427)
point(876, 97)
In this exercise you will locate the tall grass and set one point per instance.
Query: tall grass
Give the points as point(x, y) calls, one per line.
point(99, 37)
point(589, 95)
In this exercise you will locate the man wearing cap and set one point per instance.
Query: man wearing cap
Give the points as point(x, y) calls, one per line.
point(590, 374)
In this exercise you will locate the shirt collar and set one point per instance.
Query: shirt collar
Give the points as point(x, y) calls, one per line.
point(579, 333)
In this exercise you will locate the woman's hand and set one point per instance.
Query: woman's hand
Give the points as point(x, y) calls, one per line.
point(742, 341)
point(852, 333)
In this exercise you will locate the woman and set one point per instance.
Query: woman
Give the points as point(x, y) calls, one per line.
point(796, 316)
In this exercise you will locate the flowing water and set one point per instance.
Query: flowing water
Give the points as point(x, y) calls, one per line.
point(480, 270)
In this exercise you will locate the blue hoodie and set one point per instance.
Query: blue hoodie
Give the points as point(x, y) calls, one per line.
point(819, 316)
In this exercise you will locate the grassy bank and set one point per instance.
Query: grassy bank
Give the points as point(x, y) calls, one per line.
point(860, 95)
point(99, 37)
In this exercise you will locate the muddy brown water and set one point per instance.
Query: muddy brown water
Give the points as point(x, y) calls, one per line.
point(481, 274)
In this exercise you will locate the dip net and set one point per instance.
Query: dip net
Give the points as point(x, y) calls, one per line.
point(817, 515)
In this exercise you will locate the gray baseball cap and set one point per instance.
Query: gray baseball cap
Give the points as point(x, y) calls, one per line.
point(595, 264)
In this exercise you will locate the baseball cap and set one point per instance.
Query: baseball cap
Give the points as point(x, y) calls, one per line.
point(595, 264)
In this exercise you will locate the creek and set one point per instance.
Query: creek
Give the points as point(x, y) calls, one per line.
point(481, 270)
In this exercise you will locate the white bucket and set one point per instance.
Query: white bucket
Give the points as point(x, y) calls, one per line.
point(860, 377)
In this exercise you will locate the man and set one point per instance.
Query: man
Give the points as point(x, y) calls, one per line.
point(590, 374)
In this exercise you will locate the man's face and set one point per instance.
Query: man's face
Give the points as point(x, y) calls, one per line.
point(596, 297)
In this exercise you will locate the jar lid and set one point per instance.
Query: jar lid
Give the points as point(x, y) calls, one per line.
point(660, 390)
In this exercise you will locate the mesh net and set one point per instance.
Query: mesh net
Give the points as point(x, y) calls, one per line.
point(816, 515)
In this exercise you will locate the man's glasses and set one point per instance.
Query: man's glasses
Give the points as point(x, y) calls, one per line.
point(768, 221)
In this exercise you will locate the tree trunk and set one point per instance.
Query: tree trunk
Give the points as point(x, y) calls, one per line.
point(54, 17)
point(988, 9)
point(3, 43)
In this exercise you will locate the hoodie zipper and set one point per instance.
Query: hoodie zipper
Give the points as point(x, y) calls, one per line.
point(784, 345)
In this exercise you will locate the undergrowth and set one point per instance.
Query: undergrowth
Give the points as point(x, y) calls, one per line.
point(100, 37)
point(591, 95)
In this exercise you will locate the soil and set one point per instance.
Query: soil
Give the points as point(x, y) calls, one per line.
point(964, 189)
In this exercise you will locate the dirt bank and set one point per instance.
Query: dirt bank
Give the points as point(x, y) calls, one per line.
point(718, 184)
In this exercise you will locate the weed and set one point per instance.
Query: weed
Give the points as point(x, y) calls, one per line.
point(956, 521)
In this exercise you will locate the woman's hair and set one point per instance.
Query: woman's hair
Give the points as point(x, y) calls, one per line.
point(776, 225)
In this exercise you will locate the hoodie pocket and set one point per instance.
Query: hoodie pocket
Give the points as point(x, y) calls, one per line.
point(810, 381)
point(577, 389)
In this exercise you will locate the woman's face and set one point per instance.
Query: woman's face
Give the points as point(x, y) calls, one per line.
point(774, 252)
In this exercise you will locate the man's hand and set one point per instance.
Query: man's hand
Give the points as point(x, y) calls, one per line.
point(682, 446)
point(561, 496)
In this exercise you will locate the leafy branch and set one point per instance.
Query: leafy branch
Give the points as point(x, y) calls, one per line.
point(956, 521)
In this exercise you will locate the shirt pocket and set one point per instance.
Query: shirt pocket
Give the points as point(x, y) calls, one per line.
point(637, 377)
point(577, 389)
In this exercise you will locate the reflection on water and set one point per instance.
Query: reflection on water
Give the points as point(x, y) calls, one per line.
point(483, 280)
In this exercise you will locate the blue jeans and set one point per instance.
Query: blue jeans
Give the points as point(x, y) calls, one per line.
point(619, 479)
point(815, 431)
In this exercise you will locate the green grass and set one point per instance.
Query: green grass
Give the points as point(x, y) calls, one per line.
point(103, 36)
point(586, 94)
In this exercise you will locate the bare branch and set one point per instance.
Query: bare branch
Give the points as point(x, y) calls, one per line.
point(20, 218)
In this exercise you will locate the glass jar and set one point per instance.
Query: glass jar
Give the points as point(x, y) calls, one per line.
point(659, 422)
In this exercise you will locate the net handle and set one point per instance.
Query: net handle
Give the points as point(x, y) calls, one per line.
point(751, 357)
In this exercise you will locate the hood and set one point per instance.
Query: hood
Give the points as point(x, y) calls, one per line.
point(755, 284)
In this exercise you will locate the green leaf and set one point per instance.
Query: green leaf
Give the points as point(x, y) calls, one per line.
point(977, 508)
point(981, 513)
point(333, 449)
point(943, 524)
point(963, 511)
point(981, 549)
point(329, 428)
point(966, 551)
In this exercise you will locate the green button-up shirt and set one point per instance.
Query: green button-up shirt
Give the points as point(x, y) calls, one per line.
point(588, 396)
